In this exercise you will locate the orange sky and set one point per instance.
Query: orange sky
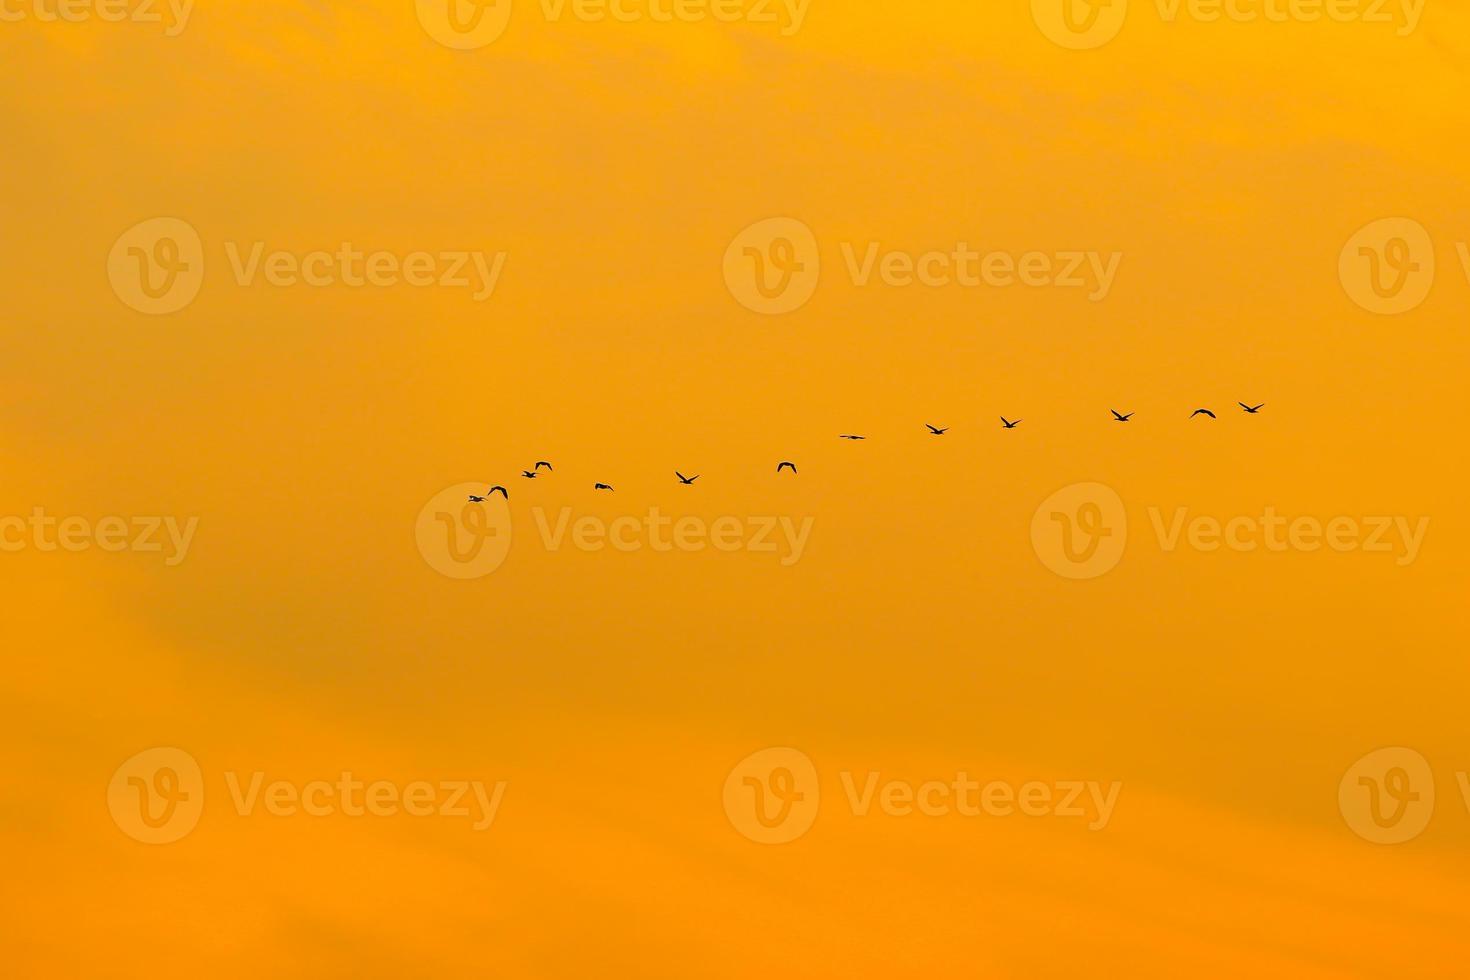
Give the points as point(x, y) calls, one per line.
point(918, 631)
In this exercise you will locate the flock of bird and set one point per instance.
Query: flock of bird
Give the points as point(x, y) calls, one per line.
point(688, 481)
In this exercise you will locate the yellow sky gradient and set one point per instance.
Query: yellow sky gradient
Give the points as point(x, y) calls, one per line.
point(918, 635)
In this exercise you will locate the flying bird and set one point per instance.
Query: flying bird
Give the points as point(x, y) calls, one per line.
point(1010, 425)
point(545, 464)
point(1249, 410)
point(497, 489)
point(1119, 417)
point(601, 486)
point(476, 500)
point(1202, 411)
point(937, 431)
point(852, 437)
point(783, 466)
point(529, 474)
point(686, 480)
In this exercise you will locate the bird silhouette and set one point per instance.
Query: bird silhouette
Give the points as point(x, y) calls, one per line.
point(1118, 416)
